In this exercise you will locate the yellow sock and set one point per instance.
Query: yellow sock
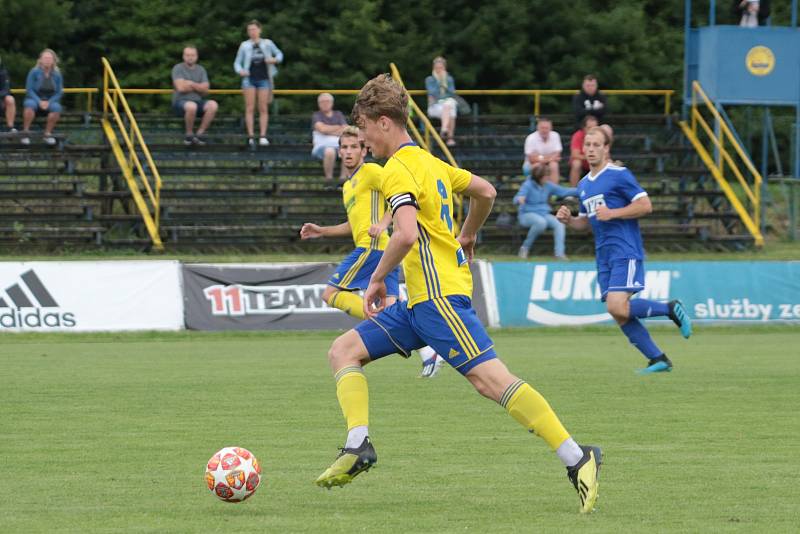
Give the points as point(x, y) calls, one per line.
point(353, 395)
point(527, 406)
point(348, 302)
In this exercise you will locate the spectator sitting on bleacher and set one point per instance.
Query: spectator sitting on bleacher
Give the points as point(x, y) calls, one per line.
point(543, 149)
point(191, 84)
point(535, 213)
point(7, 104)
point(255, 63)
point(43, 89)
point(578, 166)
point(442, 103)
point(589, 101)
point(327, 125)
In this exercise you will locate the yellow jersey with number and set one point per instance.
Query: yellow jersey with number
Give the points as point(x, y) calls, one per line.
point(436, 265)
point(365, 205)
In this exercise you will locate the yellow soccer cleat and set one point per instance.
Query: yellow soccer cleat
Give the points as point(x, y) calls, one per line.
point(583, 476)
point(349, 464)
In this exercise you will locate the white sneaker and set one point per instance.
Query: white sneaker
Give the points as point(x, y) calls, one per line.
point(25, 140)
point(263, 141)
point(251, 142)
point(49, 140)
point(523, 252)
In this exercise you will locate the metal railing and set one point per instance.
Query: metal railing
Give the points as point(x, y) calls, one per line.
point(130, 163)
point(536, 94)
point(722, 163)
point(424, 142)
point(88, 91)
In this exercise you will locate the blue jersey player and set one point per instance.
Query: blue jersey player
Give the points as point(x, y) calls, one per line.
point(612, 201)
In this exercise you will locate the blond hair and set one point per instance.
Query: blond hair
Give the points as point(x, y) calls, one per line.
point(350, 131)
point(55, 58)
point(382, 96)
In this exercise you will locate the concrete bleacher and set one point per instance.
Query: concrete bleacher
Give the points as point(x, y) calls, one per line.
point(228, 196)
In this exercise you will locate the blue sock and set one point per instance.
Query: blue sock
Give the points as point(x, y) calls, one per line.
point(640, 338)
point(643, 308)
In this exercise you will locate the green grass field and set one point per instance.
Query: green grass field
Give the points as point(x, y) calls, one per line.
point(110, 433)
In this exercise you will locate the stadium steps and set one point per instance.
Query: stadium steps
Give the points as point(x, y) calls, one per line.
point(228, 196)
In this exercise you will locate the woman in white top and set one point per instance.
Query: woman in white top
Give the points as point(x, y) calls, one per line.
point(255, 63)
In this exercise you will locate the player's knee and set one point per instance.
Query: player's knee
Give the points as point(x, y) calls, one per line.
point(328, 294)
point(618, 310)
point(481, 386)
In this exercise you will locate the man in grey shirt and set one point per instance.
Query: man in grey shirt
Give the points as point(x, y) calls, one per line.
point(190, 81)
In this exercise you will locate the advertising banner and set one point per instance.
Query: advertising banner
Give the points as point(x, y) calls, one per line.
point(276, 296)
point(567, 293)
point(72, 296)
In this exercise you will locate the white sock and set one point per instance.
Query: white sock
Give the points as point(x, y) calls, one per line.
point(426, 353)
point(569, 453)
point(356, 435)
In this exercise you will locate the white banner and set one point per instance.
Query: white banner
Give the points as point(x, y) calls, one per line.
point(73, 296)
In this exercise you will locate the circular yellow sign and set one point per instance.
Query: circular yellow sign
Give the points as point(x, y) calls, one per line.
point(760, 61)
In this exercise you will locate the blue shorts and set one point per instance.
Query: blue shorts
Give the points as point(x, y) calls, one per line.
point(54, 107)
point(319, 151)
point(179, 105)
point(247, 83)
point(619, 274)
point(356, 269)
point(449, 325)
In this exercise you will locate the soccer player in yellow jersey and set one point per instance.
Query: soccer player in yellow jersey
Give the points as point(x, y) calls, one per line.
point(439, 311)
point(367, 220)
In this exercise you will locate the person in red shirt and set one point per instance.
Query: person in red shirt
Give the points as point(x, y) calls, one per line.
point(578, 166)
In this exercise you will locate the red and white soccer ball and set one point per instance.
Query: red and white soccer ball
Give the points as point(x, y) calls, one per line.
point(233, 474)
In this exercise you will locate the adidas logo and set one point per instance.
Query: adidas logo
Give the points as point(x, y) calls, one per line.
point(453, 353)
point(583, 491)
point(31, 294)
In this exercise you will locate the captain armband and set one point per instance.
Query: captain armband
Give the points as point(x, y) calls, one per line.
point(403, 199)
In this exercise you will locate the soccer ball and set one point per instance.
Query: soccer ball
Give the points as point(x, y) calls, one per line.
point(233, 474)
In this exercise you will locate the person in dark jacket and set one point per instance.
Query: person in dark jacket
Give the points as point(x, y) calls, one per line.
point(8, 106)
point(589, 101)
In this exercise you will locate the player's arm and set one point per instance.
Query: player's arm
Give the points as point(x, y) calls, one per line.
point(378, 228)
point(481, 199)
point(638, 208)
point(313, 231)
point(404, 236)
point(564, 216)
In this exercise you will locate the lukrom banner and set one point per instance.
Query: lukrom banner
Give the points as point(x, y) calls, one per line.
point(90, 296)
point(568, 294)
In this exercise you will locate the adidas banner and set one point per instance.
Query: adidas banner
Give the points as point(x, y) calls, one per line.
point(90, 296)
point(271, 296)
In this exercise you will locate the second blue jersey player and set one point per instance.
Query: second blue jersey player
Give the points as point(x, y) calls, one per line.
point(611, 202)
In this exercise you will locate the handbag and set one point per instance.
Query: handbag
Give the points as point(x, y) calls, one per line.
point(463, 106)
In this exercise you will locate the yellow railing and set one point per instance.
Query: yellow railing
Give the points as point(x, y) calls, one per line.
point(149, 207)
point(536, 94)
point(722, 162)
point(88, 91)
point(430, 131)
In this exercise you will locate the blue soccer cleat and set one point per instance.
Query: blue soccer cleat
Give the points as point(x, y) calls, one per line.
point(662, 364)
point(430, 367)
point(680, 317)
